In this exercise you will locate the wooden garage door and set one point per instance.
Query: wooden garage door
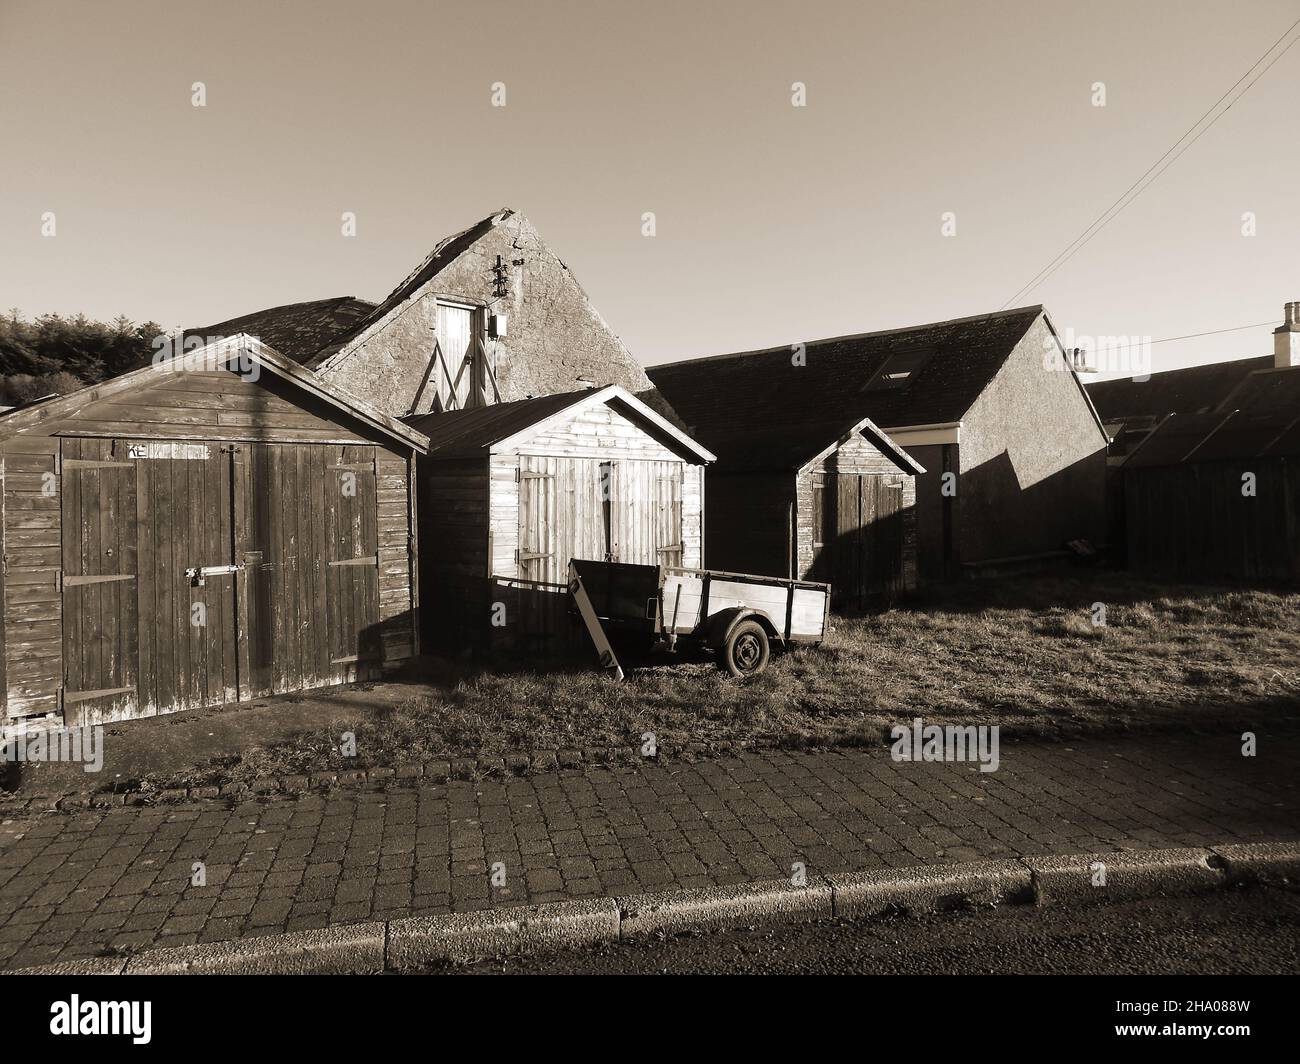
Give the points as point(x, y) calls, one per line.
point(306, 533)
point(616, 510)
point(100, 616)
point(648, 508)
point(188, 635)
point(199, 573)
point(858, 547)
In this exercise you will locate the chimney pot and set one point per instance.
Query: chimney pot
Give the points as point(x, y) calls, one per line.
point(1286, 339)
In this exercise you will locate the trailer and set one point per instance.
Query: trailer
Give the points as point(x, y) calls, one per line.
point(737, 616)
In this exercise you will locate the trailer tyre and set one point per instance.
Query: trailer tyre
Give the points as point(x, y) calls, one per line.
point(746, 650)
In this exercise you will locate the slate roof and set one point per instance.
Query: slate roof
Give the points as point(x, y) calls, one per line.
point(296, 330)
point(759, 410)
point(1260, 418)
point(1196, 389)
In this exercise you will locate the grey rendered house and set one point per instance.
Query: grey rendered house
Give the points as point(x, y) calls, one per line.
point(990, 406)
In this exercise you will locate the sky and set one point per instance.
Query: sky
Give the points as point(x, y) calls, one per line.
point(773, 223)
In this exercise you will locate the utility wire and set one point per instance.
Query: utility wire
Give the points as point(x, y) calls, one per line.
point(1193, 336)
point(1129, 195)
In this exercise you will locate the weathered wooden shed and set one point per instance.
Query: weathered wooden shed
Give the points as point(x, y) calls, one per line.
point(1217, 495)
point(219, 526)
point(810, 504)
point(510, 493)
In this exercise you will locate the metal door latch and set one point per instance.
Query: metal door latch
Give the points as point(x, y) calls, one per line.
point(196, 575)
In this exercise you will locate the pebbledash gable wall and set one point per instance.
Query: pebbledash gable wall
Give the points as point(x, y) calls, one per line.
point(555, 338)
point(1033, 465)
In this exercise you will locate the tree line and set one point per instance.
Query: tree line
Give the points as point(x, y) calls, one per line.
point(53, 354)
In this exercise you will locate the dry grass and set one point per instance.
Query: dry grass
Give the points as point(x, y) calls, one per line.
point(1023, 654)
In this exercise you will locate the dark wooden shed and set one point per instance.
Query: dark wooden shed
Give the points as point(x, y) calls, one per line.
point(1217, 495)
point(510, 493)
point(804, 503)
point(216, 527)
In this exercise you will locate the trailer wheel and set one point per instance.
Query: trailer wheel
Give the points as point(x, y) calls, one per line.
point(746, 651)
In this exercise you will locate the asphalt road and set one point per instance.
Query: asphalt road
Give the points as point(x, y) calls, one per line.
point(1245, 931)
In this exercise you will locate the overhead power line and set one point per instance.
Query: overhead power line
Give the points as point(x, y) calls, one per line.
point(1193, 336)
point(1138, 187)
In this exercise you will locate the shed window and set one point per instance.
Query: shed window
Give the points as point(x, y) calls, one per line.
point(898, 371)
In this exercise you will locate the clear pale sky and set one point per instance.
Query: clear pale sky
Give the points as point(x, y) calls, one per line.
point(774, 223)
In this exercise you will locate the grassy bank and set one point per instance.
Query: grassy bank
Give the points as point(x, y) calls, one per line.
point(1024, 654)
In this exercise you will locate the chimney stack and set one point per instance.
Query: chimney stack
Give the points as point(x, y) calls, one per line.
point(1286, 339)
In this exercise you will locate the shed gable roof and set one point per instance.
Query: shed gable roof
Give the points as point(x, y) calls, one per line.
point(216, 355)
point(486, 430)
point(761, 400)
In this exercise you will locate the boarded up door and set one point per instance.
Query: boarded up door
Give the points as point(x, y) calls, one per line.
point(455, 331)
point(100, 614)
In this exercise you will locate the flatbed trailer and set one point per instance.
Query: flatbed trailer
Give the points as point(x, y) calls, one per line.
point(737, 615)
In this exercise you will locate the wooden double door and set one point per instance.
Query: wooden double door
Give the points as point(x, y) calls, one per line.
point(859, 521)
point(620, 510)
point(202, 572)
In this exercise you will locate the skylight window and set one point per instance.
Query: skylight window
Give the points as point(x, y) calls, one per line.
point(898, 371)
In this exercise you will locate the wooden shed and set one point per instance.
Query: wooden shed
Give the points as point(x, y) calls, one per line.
point(1217, 495)
point(216, 527)
point(807, 504)
point(510, 493)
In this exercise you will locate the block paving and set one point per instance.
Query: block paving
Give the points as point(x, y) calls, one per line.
point(74, 885)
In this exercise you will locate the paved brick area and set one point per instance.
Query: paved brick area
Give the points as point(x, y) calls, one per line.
point(73, 885)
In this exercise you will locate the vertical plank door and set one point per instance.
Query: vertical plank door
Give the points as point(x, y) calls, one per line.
point(666, 516)
point(848, 554)
point(537, 519)
point(189, 641)
point(351, 547)
point(887, 545)
point(100, 617)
